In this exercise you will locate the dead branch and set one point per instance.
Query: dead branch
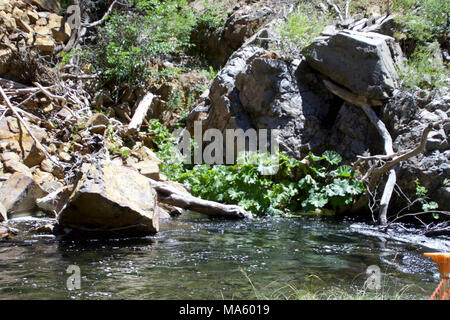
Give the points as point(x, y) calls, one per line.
point(172, 196)
point(141, 112)
point(96, 23)
point(335, 8)
point(19, 117)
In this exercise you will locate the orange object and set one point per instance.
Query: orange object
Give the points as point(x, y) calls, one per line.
point(442, 292)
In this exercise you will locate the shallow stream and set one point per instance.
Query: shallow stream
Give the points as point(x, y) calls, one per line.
point(194, 257)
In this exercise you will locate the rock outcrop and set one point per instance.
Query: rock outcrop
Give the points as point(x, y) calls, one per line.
point(406, 115)
point(257, 89)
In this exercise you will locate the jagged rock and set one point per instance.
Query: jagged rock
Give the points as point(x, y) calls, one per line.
point(384, 25)
point(18, 195)
point(6, 156)
point(16, 166)
point(257, 90)
point(244, 21)
point(98, 123)
point(54, 201)
point(111, 198)
point(49, 5)
point(148, 168)
point(145, 154)
point(406, 117)
point(363, 62)
point(64, 156)
point(35, 156)
point(45, 44)
point(47, 165)
point(42, 176)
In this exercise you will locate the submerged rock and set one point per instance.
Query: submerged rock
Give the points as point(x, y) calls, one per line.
point(111, 198)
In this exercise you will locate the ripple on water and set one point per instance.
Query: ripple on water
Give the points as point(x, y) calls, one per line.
point(199, 258)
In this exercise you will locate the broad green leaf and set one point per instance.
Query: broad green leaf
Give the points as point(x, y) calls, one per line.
point(332, 157)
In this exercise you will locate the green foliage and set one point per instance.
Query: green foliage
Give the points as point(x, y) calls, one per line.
point(421, 192)
point(424, 69)
point(303, 25)
point(129, 40)
point(212, 17)
point(315, 182)
point(424, 20)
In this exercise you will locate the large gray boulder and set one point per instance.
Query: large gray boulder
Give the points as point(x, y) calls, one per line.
point(111, 198)
point(257, 89)
point(363, 62)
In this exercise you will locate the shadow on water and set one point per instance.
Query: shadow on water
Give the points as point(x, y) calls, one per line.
point(194, 257)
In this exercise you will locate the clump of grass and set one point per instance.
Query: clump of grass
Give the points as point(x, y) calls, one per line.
point(424, 69)
point(312, 290)
point(304, 25)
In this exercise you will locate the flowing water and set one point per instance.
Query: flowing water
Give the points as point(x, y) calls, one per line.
point(194, 257)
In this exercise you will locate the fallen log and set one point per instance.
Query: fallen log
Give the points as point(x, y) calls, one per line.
point(141, 112)
point(172, 196)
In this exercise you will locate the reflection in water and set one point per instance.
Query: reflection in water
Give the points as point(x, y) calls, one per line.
point(198, 258)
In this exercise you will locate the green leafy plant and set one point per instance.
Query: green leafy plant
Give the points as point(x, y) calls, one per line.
point(212, 17)
point(130, 40)
point(316, 182)
point(421, 192)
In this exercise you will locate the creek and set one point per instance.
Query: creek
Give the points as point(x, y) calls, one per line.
point(195, 257)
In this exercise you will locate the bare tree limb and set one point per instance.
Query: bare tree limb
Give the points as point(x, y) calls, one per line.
point(141, 112)
point(19, 117)
point(172, 196)
point(96, 23)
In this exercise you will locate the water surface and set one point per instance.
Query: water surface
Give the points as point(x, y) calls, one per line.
point(194, 257)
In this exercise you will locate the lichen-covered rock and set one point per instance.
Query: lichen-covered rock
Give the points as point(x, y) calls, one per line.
point(111, 198)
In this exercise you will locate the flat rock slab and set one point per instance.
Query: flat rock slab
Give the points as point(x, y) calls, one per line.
point(111, 198)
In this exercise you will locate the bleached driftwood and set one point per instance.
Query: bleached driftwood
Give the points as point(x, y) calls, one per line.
point(375, 173)
point(141, 112)
point(172, 196)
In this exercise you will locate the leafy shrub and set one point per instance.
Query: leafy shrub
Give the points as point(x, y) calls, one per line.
point(129, 40)
point(315, 182)
point(212, 17)
point(423, 69)
point(424, 20)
